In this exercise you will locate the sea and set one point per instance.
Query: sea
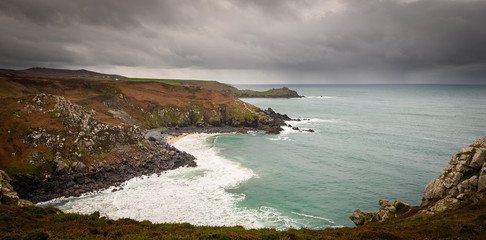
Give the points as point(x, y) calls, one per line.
point(370, 142)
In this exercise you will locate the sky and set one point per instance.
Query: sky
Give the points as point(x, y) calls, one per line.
point(252, 41)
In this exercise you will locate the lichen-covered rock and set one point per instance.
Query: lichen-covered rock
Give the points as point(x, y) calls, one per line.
point(434, 189)
point(385, 212)
point(401, 206)
point(442, 205)
point(62, 168)
point(361, 218)
point(79, 167)
point(464, 173)
point(482, 183)
point(10, 198)
point(7, 194)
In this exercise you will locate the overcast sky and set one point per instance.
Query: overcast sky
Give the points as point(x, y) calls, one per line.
point(258, 41)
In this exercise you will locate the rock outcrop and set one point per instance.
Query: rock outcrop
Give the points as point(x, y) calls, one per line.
point(7, 194)
point(461, 183)
point(466, 172)
point(125, 163)
point(81, 154)
point(385, 212)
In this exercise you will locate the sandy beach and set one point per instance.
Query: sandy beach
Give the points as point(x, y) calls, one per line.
point(173, 139)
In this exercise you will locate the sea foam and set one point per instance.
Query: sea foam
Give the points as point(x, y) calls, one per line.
point(193, 195)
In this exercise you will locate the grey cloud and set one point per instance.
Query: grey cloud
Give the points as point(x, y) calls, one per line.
point(334, 40)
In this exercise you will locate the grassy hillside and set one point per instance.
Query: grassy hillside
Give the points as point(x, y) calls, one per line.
point(468, 222)
point(85, 74)
point(49, 119)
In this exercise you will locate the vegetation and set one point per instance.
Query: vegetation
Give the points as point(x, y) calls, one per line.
point(468, 222)
point(87, 75)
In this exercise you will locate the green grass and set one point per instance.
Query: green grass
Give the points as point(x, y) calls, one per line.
point(22, 167)
point(22, 223)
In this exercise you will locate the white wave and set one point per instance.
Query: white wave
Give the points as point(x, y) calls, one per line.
point(318, 97)
point(272, 218)
point(310, 120)
point(185, 195)
point(280, 138)
point(194, 195)
point(315, 217)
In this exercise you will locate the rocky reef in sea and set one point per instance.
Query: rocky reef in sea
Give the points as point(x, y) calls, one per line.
point(461, 183)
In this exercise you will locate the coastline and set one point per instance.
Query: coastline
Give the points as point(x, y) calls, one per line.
point(158, 156)
point(173, 139)
point(126, 164)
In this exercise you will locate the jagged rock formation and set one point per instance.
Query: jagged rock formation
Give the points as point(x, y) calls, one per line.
point(7, 194)
point(386, 211)
point(465, 173)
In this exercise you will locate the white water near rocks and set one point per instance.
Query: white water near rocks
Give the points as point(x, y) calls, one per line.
point(370, 142)
point(195, 195)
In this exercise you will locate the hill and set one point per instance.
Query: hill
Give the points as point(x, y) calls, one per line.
point(63, 136)
point(283, 92)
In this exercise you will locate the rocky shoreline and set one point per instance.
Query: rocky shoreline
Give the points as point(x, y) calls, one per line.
point(126, 163)
point(69, 181)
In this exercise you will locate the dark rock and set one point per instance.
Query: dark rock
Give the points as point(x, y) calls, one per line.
point(79, 167)
point(152, 160)
point(62, 168)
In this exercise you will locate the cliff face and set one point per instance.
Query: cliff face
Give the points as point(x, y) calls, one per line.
point(464, 176)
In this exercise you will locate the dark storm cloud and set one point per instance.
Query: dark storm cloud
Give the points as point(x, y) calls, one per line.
point(311, 41)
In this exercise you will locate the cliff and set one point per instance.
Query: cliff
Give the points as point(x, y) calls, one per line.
point(64, 136)
point(462, 180)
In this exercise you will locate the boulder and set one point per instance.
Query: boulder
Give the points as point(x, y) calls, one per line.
point(385, 212)
point(401, 206)
point(481, 183)
point(442, 205)
point(478, 159)
point(468, 185)
point(62, 168)
point(7, 194)
point(10, 198)
point(434, 189)
point(79, 167)
point(361, 218)
point(24, 203)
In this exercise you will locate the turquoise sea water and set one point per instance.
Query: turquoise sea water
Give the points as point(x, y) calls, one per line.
point(370, 142)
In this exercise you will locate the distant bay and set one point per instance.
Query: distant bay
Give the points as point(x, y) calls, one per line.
point(370, 142)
